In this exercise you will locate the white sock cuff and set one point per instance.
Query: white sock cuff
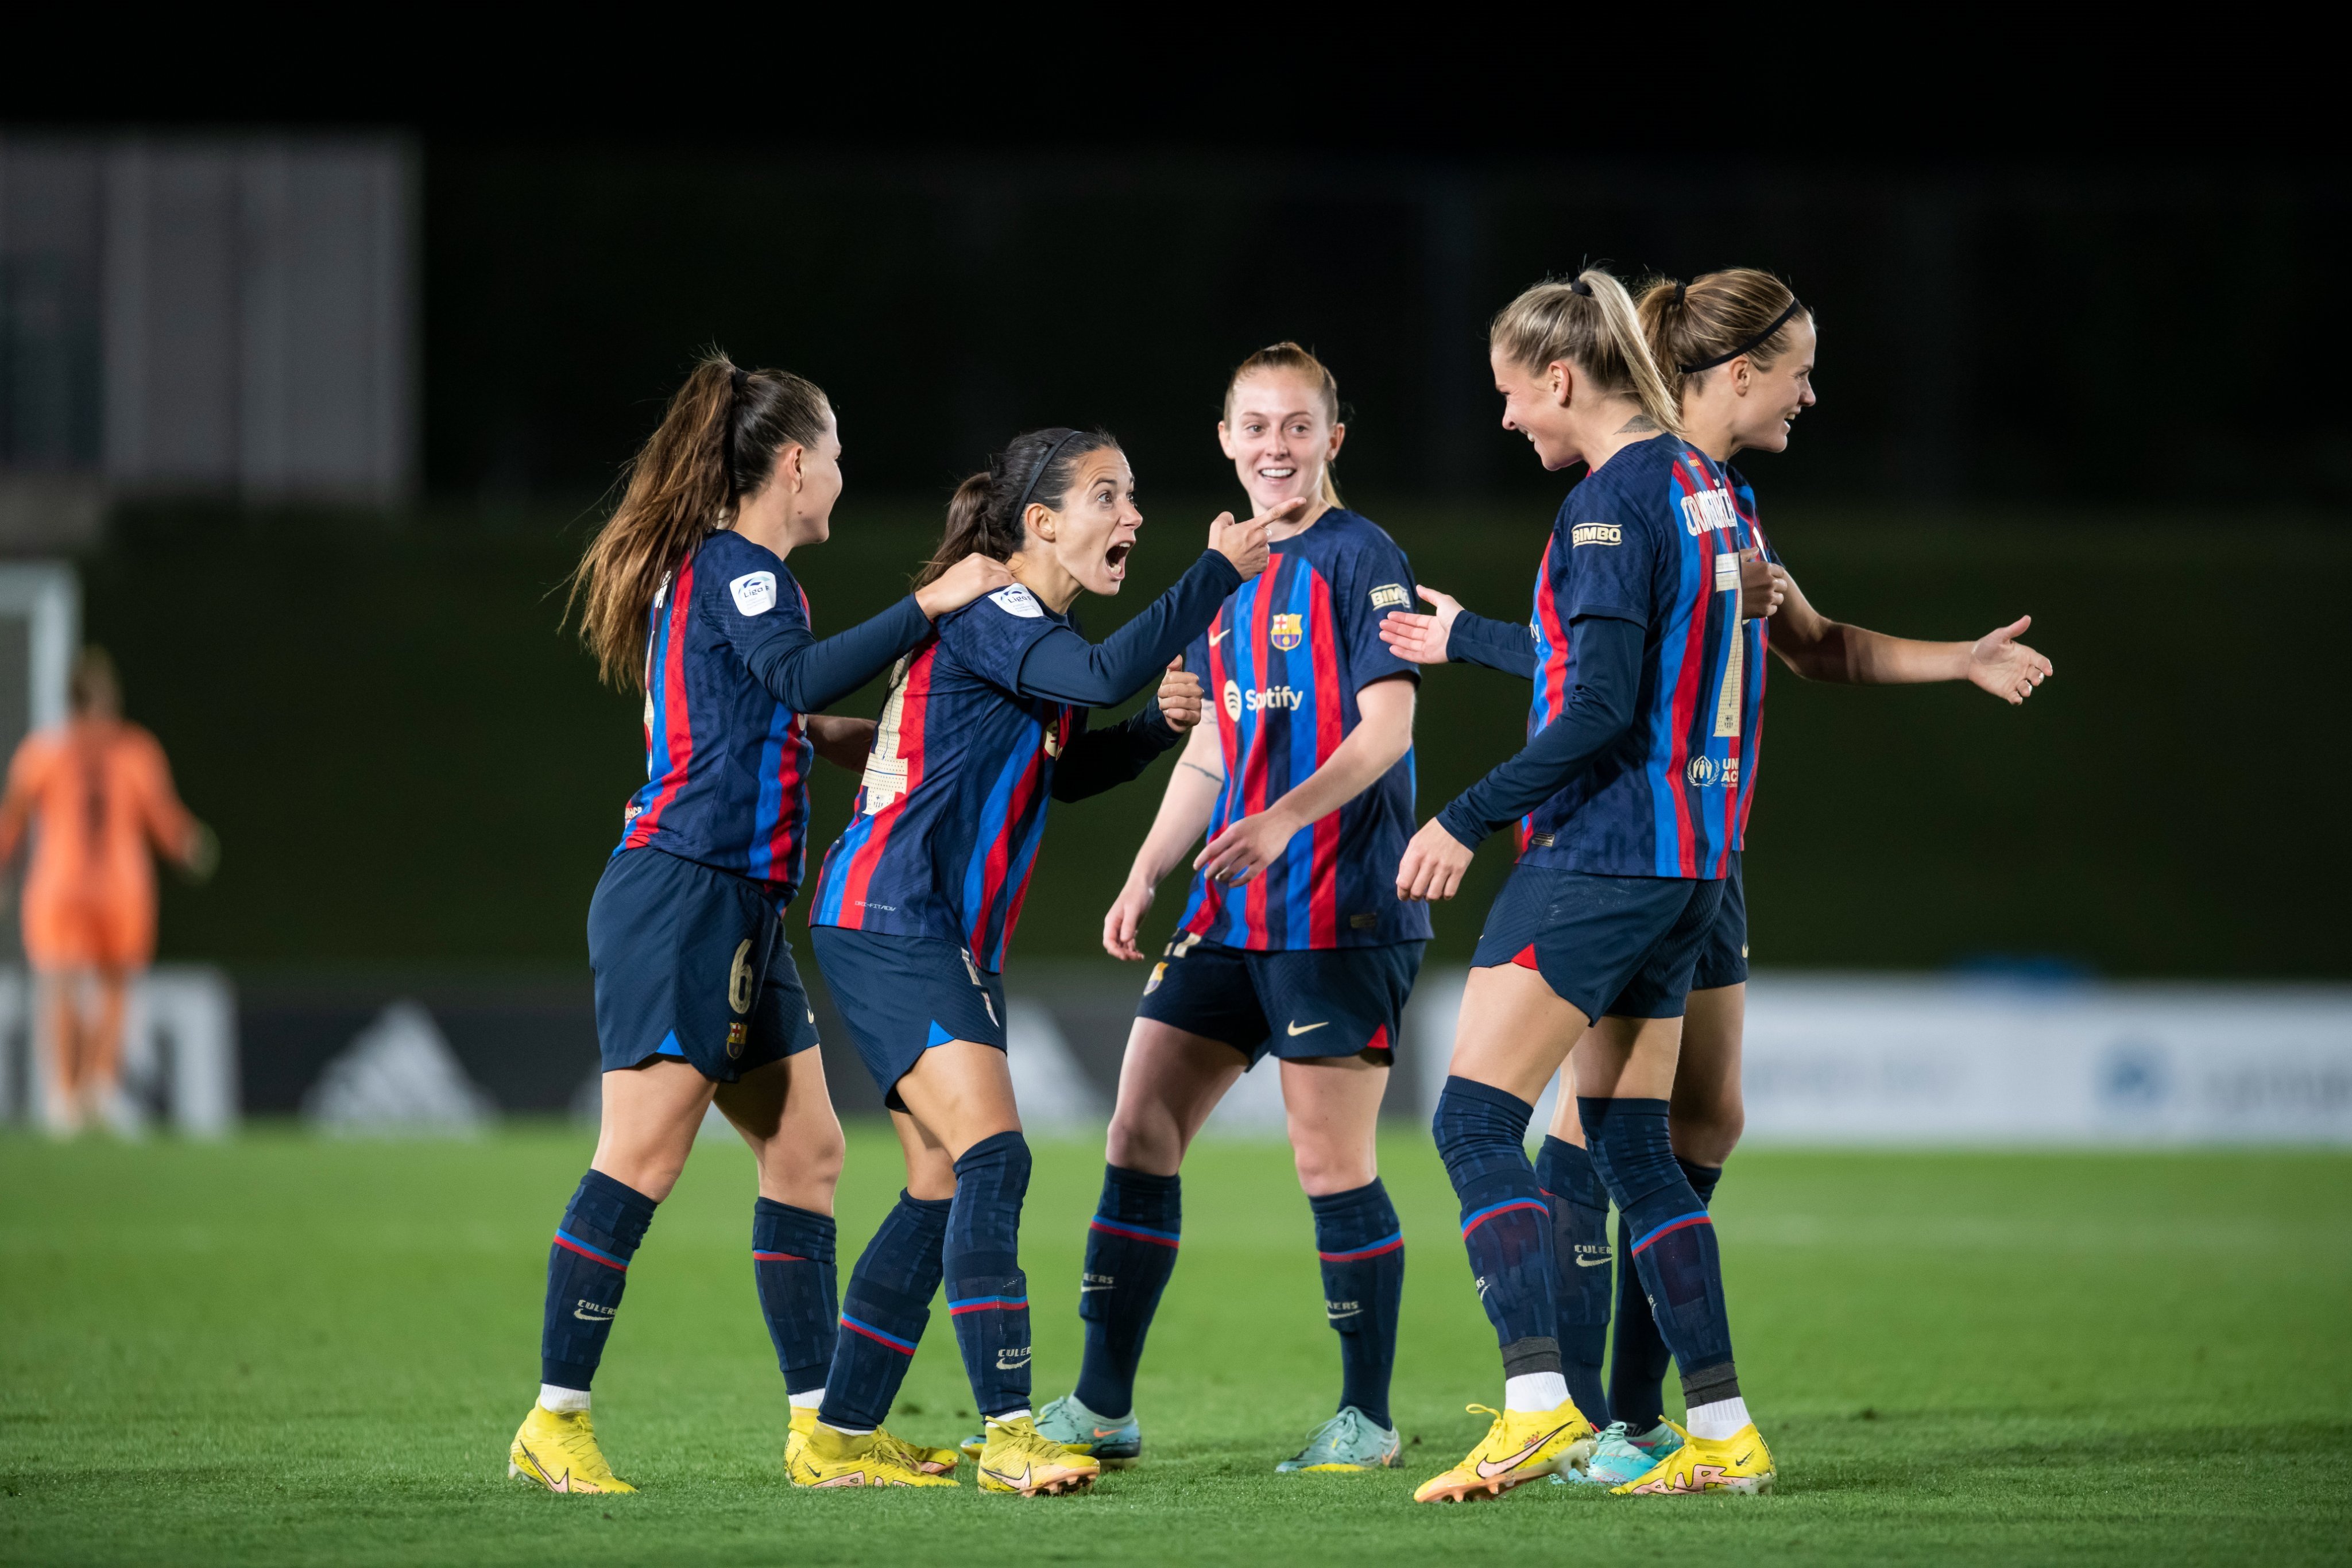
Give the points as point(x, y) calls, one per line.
point(561, 1401)
point(1535, 1391)
point(1718, 1420)
point(809, 1401)
point(1020, 1414)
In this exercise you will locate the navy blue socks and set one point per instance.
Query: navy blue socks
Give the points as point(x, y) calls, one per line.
point(988, 1297)
point(1506, 1224)
point(1669, 1242)
point(884, 1314)
point(1637, 1371)
point(1130, 1253)
point(586, 1268)
point(1361, 1244)
point(791, 1264)
point(1579, 1247)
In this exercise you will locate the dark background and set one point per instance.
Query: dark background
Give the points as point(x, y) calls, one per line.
point(2080, 386)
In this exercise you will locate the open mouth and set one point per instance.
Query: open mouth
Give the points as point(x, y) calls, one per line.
point(1276, 475)
point(1116, 560)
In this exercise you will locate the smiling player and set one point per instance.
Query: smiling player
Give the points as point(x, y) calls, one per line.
point(917, 904)
point(1293, 944)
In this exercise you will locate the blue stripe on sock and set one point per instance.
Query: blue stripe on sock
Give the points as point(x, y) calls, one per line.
point(870, 1331)
point(1472, 1222)
point(1698, 1218)
point(596, 1252)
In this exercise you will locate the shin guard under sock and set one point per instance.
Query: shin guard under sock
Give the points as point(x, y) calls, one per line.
point(1637, 1370)
point(1506, 1224)
point(1579, 1249)
point(792, 1264)
point(1361, 1244)
point(988, 1297)
point(1130, 1253)
point(1669, 1239)
point(586, 1268)
point(884, 1314)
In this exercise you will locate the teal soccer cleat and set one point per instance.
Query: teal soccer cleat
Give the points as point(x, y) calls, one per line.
point(1115, 1445)
point(1348, 1441)
point(1620, 1456)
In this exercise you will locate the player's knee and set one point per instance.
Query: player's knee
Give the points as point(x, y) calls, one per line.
point(1145, 1138)
point(1328, 1167)
point(1706, 1134)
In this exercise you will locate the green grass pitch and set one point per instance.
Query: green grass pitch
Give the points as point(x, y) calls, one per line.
point(284, 1350)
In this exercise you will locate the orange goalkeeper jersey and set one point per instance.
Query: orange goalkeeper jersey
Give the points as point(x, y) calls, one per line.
point(99, 797)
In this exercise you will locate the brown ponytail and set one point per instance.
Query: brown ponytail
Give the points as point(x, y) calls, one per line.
point(1589, 322)
point(718, 443)
point(984, 517)
point(1288, 356)
point(1692, 328)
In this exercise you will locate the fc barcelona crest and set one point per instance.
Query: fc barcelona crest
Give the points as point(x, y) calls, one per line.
point(1289, 632)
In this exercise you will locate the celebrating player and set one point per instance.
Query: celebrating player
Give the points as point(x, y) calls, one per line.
point(685, 591)
point(917, 904)
point(1631, 791)
point(1739, 350)
point(1292, 944)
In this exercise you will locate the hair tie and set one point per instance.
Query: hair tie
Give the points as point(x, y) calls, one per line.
point(1578, 286)
point(736, 378)
point(1038, 473)
point(1765, 336)
point(1680, 291)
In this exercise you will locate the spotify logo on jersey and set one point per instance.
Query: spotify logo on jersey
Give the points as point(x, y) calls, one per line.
point(1234, 701)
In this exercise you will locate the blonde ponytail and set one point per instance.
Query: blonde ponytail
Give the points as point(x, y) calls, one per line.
point(1589, 322)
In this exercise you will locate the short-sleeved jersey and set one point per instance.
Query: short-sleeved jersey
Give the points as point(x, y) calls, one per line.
point(725, 764)
point(1654, 537)
point(1281, 666)
point(99, 795)
point(945, 830)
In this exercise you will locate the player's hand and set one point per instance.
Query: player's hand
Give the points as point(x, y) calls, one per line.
point(1421, 639)
point(1125, 918)
point(1246, 847)
point(1433, 864)
point(2007, 667)
point(1762, 585)
point(961, 583)
point(1245, 544)
point(1180, 697)
point(203, 858)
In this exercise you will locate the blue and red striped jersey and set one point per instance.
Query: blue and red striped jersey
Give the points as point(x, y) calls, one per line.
point(1654, 537)
point(1281, 666)
point(944, 833)
point(725, 764)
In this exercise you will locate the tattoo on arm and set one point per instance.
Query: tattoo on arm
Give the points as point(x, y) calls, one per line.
point(1217, 778)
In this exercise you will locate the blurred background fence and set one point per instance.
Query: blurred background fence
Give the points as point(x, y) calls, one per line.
point(319, 424)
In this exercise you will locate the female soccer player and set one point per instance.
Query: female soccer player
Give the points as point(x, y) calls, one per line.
point(1631, 793)
point(1292, 944)
point(917, 904)
point(1739, 350)
point(685, 591)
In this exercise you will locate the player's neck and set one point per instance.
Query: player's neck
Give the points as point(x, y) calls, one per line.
point(1292, 528)
point(1710, 433)
point(1613, 424)
point(1047, 578)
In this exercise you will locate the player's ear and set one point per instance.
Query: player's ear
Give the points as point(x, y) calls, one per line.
point(1338, 436)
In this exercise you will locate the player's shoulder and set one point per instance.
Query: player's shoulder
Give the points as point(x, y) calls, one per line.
point(996, 624)
point(1348, 549)
point(731, 572)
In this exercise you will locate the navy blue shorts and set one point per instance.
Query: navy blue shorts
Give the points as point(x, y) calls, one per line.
point(692, 963)
point(900, 996)
point(1322, 1002)
point(1723, 956)
point(1621, 946)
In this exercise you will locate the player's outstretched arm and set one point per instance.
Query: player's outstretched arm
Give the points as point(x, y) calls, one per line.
point(1184, 813)
point(1820, 648)
point(1382, 735)
point(1453, 633)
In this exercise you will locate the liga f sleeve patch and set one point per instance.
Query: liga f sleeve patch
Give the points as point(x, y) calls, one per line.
point(755, 592)
point(1018, 601)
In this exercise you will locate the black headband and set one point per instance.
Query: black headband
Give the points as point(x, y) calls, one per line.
point(1039, 472)
point(1764, 337)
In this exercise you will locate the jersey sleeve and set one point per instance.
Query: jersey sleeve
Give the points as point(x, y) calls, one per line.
point(1613, 552)
point(1377, 580)
point(994, 632)
point(749, 603)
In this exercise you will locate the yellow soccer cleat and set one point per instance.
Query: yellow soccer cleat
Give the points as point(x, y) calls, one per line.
point(559, 1451)
point(1737, 1463)
point(1017, 1458)
point(1522, 1445)
point(825, 1457)
point(914, 1456)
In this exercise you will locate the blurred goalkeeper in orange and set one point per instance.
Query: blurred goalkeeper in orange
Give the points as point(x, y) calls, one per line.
point(98, 794)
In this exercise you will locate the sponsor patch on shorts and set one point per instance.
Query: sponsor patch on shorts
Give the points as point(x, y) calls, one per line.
point(1596, 534)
